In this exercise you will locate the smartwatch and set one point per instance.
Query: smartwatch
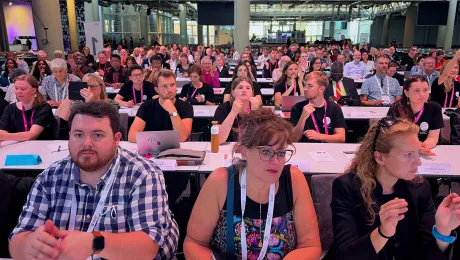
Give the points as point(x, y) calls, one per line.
point(174, 114)
point(98, 242)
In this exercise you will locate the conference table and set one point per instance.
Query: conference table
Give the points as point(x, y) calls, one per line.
point(311, 158)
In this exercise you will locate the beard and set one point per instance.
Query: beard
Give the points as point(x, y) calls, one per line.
point(91, 162)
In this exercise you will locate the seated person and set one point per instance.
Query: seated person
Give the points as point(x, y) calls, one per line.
point(391, 72)
point(446, 90)
point(276, 73)
point(3, 105)
point(381, 209)
point(95, 92)
point(228, 114)
point(151, 73)
point(5, 79)
point(135, 91)
point(289, 84)
point(79, 66)
point(41, 70)
point(10, 97)
point(164, 113)
point(197, 92)
point(428, 70)
point(31, 117)
point(409, 59)
point(210, 74)
point(271, 64)
point(310, 116)
point(380, 89)
point(183, 66)
point(356, 69)
point(340, 86)
point(115, 76)
point(103, 64)
point(242, 70)
point(122, 214)
point(265, 144)
point(222, 68)
point(54, 87)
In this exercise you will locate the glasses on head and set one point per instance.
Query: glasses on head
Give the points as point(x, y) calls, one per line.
point(267, 153)
point(136, 75)
point(386, 122)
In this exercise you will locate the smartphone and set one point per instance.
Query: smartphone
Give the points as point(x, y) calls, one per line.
point(74, 90)
point(343, 100)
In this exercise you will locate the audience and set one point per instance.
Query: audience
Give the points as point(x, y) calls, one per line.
point(41, 71)
point(368, 62)
point(210, 74)
point(115, 75)
point(263, 137)
point(356, 69)
point(31, 117)
point(440, 60)
point(183, 66)
point(196, 92)
point(54, 87)
point(102, 65)
point(289, 84)
point(222, 68)
point(5, 79)
point(10, 95)
point(316, 116)
point(391, 72)
point(409, 60)
point(135, 91)
point(340, 86)
point(21, 63)
point(380, 89)
point(445, 90)
point(88, 56)
point(242, 70)
point(146, 230)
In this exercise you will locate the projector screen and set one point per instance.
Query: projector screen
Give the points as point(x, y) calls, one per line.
point(214, 13)
point(19, 21)
point(433, 13)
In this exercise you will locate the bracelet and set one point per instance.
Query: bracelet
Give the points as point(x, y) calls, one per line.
point(381, 234)
point(445, 239)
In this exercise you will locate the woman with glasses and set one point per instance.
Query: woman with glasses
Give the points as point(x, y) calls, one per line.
point(242, 70)
point(196, 92)
point(446, 89)
point(136, 90)
point(304, 65)
point(381, 209)
point(290, 83)
point(229, 114)
point(260, 207)
point(315, 65)
point(94, 92)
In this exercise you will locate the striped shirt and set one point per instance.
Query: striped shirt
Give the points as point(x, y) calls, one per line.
point(136, 202)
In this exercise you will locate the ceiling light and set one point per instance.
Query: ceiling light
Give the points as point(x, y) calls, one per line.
point(10, 4)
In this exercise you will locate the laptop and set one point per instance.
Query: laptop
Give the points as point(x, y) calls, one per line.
point(155, 142)
point(287, 102)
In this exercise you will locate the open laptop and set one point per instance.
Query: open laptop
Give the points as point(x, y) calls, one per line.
point(155, 142)
point(287, 102)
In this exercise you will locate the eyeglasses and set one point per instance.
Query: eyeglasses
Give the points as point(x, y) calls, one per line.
point(94, 86)
point(136, 75)
point(386, 122)
point(267, 153)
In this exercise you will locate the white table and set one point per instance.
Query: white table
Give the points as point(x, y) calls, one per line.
point(48, 158)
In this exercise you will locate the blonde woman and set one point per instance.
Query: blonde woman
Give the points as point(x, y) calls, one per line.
point(94, 92)
point(381, 209)
point(446, 90)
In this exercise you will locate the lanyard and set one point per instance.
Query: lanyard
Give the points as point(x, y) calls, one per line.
point(419, 115)
point(295, 87)
point(134, 94)
point(100, 205)
point(268, 221)
point(25, 120)
point(64, 90)
point(451, 97)
point(324, 121)
point(381, 87)
point(81, 70)
point(193, 94)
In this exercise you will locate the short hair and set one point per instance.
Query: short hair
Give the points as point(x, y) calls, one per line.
point(92, 76)
point(205, 58)
point(364, 51)
point(58, 64)
point(155, 57)
point(41, 52)
point(116, 56)
point(97, 109)
point(337, 67)
point(58, 52)
point(101, 52)
point(196, 69)
point(165, 73)
point(320, 77)
point(16, 73)
point(382, 57)
point(392, 64)
point(429, 57)
point(133, 68)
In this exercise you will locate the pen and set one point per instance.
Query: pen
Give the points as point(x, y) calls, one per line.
point(59, 148)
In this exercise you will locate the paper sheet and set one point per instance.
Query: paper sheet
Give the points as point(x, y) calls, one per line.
point(435, 169)
point(321, 156)
point(58, 147)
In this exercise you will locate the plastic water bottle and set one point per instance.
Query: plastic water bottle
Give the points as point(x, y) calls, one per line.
point(177, 73)
point(214, 137)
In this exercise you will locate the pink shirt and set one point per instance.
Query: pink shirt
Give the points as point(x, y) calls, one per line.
point(212, 81)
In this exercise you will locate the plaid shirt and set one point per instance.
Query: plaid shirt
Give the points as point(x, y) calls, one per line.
point(138, 193)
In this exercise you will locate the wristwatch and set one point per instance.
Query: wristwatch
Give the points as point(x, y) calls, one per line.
point(173, 114)
point(98, 242)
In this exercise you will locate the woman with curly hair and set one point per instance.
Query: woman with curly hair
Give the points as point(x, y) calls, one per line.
point(381, 209)
point(41, 70)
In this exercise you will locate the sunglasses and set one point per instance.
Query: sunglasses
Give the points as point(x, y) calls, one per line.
point(386, 122)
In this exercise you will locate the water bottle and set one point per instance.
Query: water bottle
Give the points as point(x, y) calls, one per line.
point(177, 73)
point(214, 137)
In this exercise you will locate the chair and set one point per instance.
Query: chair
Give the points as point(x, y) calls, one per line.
point(321, 190)
point(124, 126)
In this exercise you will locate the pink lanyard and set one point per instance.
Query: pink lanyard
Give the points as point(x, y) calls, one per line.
point(451, 98)
point(25, 120)
point(193, 91)
point(419, 115)
point(295, 87)
point(134, 94)
point(324, 121)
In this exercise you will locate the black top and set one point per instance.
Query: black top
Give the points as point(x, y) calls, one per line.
point(12, 120)
point(126, 91)
point(394, 58)
point(224, 72)
point(281, 88)
point(334, 117)
point(408, 61)
point(111, 76)
point(268, 71)
point(284, 202)
point(228, 89)
point(222, 111)
point(439, 96)
point(189, 92)
point(181, 69)
point(89, 59)
point(350, 89)
point(431, 119)
point(351, 228)
point(97, 66)
point(3, 105)
point(157, 118)
point(399, 78)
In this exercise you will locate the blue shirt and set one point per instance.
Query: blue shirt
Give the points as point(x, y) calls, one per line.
point(138, 194)
point(355, 70)
point(371, 87)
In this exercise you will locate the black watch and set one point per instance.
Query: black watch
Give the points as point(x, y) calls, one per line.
point(98, 242)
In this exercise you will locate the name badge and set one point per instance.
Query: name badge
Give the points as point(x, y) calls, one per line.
point(386, 99)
